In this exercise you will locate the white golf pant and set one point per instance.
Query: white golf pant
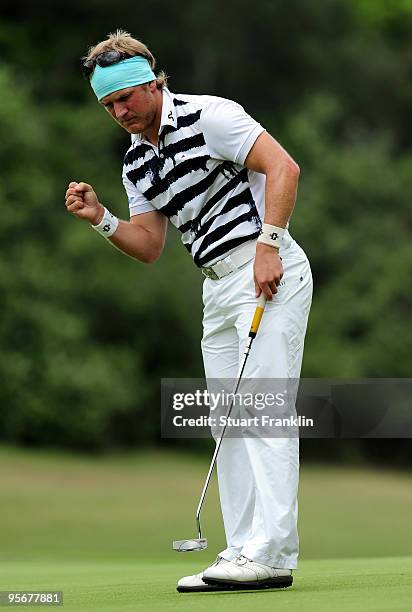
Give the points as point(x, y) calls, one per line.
point(258, 477)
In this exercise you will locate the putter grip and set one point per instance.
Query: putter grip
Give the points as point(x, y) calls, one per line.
point(257, 317)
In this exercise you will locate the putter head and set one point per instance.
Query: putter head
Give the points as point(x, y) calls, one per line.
point(196, 544)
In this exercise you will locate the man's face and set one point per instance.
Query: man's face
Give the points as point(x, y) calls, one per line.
point(134, 108)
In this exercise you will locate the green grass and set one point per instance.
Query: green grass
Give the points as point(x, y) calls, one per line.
point(100, 529)
point(364, 585)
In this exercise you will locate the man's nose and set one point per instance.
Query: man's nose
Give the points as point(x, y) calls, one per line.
point(119, 110)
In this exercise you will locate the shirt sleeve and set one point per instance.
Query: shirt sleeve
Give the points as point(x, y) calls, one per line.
point(229, 131)
point(138, 204)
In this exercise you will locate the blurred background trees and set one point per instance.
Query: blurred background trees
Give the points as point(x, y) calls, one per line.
point(86, 333)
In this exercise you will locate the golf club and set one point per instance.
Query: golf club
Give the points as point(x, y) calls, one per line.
point(199, 543)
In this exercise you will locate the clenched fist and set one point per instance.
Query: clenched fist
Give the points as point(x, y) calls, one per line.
point(82, 202)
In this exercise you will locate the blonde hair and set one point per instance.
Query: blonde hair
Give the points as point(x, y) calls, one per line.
point(123, 41)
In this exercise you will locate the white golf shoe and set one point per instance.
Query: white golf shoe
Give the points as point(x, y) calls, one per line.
point(192, 584)
point(242, 573)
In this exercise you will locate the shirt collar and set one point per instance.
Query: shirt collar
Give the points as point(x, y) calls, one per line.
point(168, 116)
point(168, 110)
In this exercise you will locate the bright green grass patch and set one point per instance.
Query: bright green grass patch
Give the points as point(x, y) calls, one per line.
point(344, 585)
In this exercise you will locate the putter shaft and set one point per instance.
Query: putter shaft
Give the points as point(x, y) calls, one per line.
point(252, 335)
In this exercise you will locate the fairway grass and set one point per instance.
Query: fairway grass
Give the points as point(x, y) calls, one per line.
point(100, 529)
point(344, 585)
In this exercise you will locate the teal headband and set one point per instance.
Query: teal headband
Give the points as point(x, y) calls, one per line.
point(127, 73)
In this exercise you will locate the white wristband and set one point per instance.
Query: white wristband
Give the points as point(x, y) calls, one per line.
point(108, 225)
point(272, 235)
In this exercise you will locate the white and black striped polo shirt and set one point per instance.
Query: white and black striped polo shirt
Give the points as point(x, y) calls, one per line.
point(196, 177)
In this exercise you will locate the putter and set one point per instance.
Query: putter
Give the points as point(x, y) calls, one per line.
point(199, 543)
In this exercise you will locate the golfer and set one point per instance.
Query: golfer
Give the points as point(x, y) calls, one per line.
point(202, 163)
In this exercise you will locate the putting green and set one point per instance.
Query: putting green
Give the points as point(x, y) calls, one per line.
point(345, 585)
point(100, 529)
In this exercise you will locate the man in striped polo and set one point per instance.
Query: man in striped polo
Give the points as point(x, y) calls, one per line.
point(204, 164)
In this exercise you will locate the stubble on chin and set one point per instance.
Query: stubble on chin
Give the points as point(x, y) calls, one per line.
point(134, 127)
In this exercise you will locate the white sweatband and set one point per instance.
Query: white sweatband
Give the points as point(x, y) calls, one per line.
point(108, 225)
point(272, 235)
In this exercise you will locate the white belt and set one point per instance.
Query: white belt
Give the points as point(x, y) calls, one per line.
point(232, 262)
point(237, 259)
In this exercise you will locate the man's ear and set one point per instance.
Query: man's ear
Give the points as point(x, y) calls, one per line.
point(153, 86)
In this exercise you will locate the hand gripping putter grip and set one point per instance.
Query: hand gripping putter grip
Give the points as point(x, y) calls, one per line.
point(199, 543)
